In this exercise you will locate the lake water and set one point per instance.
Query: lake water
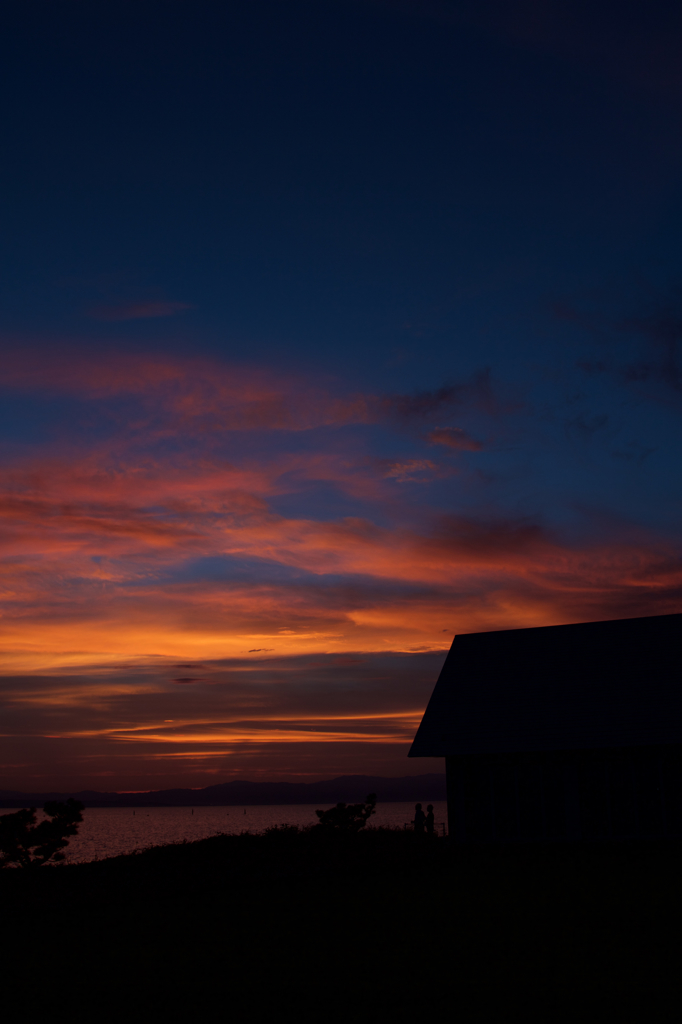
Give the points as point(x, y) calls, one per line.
point(109, 831)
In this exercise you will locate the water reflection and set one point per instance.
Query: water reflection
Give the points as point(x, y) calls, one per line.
point(109, 831)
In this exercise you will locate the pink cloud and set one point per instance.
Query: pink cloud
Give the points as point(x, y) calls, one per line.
point(454, 437)
point(410, 469)
point(205, 396)
point(99, 539)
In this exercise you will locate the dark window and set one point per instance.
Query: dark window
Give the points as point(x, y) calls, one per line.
point(622, 796)
point(531, 801)
point(505, 801)
point(593, 795)
point(554, 799)
point(478, 803)
point(649, 795)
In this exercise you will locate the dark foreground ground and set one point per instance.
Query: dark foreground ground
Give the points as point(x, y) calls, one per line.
point(379, 926)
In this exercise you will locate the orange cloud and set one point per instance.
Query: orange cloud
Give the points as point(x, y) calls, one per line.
point(131, 724)
point(160, 562)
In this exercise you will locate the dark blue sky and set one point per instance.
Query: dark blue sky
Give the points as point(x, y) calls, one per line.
point(333, 180)
point(406, 273)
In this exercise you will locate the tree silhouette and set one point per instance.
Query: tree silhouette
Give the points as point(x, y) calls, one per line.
point(347, 817)
point(28, 845)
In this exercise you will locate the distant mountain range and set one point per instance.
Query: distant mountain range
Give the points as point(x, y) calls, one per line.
point(350, 788)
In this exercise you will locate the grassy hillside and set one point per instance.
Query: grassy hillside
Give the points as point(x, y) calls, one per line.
point(380, 925)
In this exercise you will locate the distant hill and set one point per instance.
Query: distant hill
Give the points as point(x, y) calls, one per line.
point(350, 788)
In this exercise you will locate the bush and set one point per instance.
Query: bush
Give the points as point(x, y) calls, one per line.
point(347, 817)
point(27, 845)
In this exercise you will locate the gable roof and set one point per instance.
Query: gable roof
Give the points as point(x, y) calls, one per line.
point(583, 686)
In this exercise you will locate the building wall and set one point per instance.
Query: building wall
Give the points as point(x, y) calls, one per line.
point(630, 793)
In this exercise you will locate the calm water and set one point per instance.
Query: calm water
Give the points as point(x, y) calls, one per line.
point(109, 831)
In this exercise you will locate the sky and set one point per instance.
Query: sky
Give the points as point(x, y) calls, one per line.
point(328, 329)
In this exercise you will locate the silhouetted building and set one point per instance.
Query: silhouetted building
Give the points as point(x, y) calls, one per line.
point(561, 732)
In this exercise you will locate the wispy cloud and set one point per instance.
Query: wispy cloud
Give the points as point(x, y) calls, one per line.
point(205, 395)
point(410, 469)
point(477, 392)
point(455, 438)
point(185, 546)
point(643, 351)
point(137, 310)
point(300, 716)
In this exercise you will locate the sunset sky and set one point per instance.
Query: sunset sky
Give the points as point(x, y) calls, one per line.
point(328, 329)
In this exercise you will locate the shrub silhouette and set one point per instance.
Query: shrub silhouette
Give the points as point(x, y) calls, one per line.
point(28, 845)
point(347, 817)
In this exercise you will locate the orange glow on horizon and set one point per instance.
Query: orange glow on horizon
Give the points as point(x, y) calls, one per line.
point(169, 584)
